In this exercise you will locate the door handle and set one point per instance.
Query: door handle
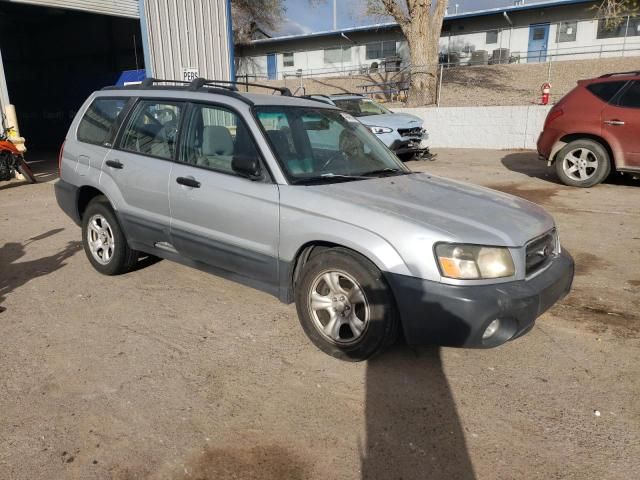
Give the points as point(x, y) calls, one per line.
point(188, 182)
point(114, 164)
point(614, 122)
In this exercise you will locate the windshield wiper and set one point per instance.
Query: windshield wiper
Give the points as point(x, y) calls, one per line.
point(328, 176)
point(395, 171)
point(340, 175)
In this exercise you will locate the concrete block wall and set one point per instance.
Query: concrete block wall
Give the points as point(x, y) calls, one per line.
point(482, 127)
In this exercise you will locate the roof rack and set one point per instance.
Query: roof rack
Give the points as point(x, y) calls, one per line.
point(148, 82)
point(151, 82)
point(338, 94)
point(223, 87)
point(192, 85)
point(314, 97)
point(619, 73)
point(284, 91)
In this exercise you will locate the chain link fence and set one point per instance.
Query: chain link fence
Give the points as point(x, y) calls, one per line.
point(486, 83)
point(521, 83)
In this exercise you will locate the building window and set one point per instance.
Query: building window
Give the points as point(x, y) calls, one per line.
point(337, 55)
point(634, 27)
point(567, 32)
point(618, 29)
point(492, 37)
point(384, 49)
point(539, 33)
point(287, 59)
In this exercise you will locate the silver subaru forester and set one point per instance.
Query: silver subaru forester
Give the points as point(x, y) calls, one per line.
point(300, 199)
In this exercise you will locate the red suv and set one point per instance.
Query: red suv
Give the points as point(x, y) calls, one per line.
point(593, 129)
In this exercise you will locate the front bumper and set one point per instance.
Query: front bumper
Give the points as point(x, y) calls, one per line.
point(400, 144)
point(451, 315)
point(410, 145)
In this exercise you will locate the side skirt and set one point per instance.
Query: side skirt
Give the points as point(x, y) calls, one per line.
point(235, 277)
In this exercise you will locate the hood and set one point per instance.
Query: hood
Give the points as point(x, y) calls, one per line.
point(453, 210)
point(392, 120)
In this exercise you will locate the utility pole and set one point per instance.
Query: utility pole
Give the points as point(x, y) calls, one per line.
point(335, 15)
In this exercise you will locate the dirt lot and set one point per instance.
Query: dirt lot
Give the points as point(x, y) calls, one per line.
point(169, 373)
point(472, 86)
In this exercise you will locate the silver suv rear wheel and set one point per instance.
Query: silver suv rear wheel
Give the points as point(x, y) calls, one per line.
point(100, 239)
point(104, 240)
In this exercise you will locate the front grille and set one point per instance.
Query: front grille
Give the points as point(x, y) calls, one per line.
point(539, 252)
point(410, 132)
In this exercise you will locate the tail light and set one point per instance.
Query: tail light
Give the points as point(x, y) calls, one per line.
point(553, 114)
point(60, 158)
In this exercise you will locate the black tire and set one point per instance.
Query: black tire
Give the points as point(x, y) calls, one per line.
point(382, 324)
point(26, 172)
point(123, 258)
point(593, 152)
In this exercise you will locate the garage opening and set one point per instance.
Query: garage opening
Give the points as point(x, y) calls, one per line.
point(54, 58)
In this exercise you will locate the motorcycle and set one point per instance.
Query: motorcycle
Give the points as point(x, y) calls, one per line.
point(12, 159)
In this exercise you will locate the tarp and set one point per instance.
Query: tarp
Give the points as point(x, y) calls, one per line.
point(131, 76)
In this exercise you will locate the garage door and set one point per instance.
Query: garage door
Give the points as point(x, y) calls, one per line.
point(118, 8)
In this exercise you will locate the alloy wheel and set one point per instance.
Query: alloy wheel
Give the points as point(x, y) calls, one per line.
point(338, 307)
point(580, 164)
point(100, 239)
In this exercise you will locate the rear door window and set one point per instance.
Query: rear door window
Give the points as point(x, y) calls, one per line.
point(605, 91)
point(631, 96)
point(98, 122)
point(153, 128)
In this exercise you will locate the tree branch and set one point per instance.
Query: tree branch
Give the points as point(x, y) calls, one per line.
point(393, 9)
point(438, 15)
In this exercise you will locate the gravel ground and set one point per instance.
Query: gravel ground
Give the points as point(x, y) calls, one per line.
point(170, 373)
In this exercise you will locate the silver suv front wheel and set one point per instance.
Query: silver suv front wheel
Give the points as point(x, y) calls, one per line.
point(344, 304)
point(338, 307)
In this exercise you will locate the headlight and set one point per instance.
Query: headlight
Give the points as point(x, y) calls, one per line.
point(472, 262)
point(379, 130)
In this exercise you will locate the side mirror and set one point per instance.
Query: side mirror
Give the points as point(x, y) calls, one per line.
point(247, 166)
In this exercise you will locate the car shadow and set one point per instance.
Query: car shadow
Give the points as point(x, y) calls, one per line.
point(412, 427)
point(145, 261)
point(527, 163)
point(14, 274)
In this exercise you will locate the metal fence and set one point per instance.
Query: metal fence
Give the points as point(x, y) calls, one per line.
point(484, 81)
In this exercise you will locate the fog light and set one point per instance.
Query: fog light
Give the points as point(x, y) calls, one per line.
point(491, 329)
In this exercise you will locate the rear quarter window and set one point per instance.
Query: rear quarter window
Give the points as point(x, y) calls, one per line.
point(99, 119)
point(605, 91)
point(631, 96)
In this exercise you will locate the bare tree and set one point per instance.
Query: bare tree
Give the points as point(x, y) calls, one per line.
point(250, 15)
point(421, 24)
point(613, 11)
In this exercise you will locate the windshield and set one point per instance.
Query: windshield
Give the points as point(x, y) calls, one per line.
point(360, 107)
point(323, 145)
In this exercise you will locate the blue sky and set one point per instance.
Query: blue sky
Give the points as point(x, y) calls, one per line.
point(303, 16)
